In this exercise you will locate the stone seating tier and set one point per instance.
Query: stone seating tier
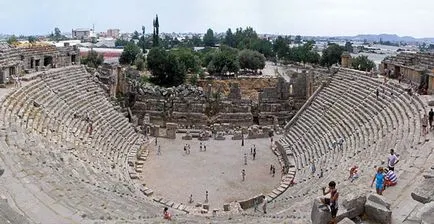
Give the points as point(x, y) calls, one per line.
point(82, 176)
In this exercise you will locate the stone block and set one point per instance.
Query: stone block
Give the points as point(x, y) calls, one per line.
point(378, 212)
point(379, 199)
point(320, 213)
point(354, 203)
point(226, 207)
point(424, 193)
point(346, 221)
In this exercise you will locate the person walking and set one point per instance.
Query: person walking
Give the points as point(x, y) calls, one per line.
point(264, 206)
point(243, 174)
point(254, 155)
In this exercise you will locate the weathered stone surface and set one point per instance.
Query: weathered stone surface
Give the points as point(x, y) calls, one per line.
point(376, 208)
point(424, 193)
point(379, 199)
point(354, 204)
point(346, 221)
point(427, 213)
point(320, 213)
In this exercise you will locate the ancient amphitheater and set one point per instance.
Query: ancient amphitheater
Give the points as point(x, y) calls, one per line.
point(55, 171)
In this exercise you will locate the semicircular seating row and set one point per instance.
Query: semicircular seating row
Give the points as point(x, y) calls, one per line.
point(347, 107)
point(48, 149)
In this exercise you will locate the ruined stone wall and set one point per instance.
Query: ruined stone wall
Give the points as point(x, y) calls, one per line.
point(34, 58)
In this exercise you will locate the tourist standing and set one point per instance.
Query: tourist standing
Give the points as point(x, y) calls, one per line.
point(206, 197)
point(190, 200)
point(332, 201)
point(379, 180)
point(264, 206)
point(424, 124)
point(274, 171)
point(243, 174)
point(159, 150)
point(254, 155)
point(204, 147)
point(430, 118)
point(377, 93)
point(392, 160)
point(200, 147)
point(245, 158)
point(312, 168)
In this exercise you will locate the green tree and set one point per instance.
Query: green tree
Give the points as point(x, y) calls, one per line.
point(31, 39)
point(224, 60)
point(165, 67)
point(264, 47)
point(209, 39)
point(297, 39)
point(93, 59)
point(140, 63)
point(331, 55)
point(57, 33)
point(156, 32)
point(362, 63)
point(136, 35)
point(187, 57)
point(281, 47)
point(129, 54)
point(193, 79)
point(12, 40)
point(230, 39)
point(252, 60)
point(349, 47)
point(121, 43)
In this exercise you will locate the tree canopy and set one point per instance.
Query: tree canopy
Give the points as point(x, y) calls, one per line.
point(252, 60)
point(362, 63)
point(12, 40)
point(331, 55)
point(223, 60)
point(129, 54)
point(209, 39)
point(165, 67)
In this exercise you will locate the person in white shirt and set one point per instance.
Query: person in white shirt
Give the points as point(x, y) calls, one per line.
point(392, 160)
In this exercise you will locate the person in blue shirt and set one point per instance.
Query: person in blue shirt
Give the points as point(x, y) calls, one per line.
point(379, 179)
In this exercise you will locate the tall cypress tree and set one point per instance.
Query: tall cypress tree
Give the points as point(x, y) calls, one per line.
point(156, 32)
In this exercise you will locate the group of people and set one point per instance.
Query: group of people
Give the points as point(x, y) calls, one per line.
point(384, 177)
point(253, 151)
point(272, 170)
point(427, 120)
point(339, 142)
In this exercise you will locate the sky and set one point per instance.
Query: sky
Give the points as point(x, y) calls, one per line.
point(288, 17)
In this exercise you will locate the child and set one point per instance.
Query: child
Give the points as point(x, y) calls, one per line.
point(379, 179)
point(353, 173)
point(166, 214)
